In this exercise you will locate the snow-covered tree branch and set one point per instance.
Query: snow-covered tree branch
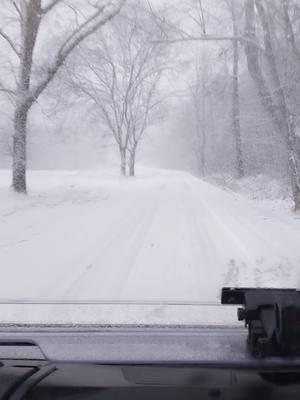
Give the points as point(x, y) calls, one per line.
point(32, 15)
point(121, 78)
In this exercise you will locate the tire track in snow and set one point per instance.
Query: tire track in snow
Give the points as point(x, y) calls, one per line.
point(242, 229)
point(209, 243)
point(168, 274)
point(198, 247)
point(96, 240)
point(136, 227)
point(229, 255)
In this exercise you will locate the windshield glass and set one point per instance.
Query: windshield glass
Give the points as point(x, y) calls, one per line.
point(149, 156)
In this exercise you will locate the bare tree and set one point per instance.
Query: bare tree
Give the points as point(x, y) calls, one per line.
point(273, 98)
point(30, 15)
point(235, 102)
point(198, 91)
point(266, 75)
point(121, 76)
point(235, 114)
point(200, 15)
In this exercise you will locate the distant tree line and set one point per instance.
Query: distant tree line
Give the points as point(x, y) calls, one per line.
point(241, 106)
point(259, 41)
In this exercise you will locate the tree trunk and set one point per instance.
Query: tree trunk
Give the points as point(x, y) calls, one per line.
point(294, 163)
point(203, 115)
point(203, 138)
point(236, 123)
point(123, 162)
point(19, 150)
point(276, 106)
point(29, 30)
point(31, 14)
point(132, 163)
point(285, 116)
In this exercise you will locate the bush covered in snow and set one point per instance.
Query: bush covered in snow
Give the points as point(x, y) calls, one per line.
point(259, 187)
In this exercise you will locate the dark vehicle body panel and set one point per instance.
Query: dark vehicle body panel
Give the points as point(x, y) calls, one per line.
point(138, 362)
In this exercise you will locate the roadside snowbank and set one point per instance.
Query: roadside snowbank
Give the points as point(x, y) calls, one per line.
point(259, 187)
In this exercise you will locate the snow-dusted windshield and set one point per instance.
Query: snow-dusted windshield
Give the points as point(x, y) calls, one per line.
point(149, 156)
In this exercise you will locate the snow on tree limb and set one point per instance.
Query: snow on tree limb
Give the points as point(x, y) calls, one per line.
point(10, 42)
point(210, 38)
point(17, 8)
point(31, 14)
point(6, 90)
point(51, 5)
point(100, 17)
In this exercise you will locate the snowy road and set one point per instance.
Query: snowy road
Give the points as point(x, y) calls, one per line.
point(167, 236)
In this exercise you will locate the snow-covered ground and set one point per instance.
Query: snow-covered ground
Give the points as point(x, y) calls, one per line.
point(258, 187)
point(163, 237)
